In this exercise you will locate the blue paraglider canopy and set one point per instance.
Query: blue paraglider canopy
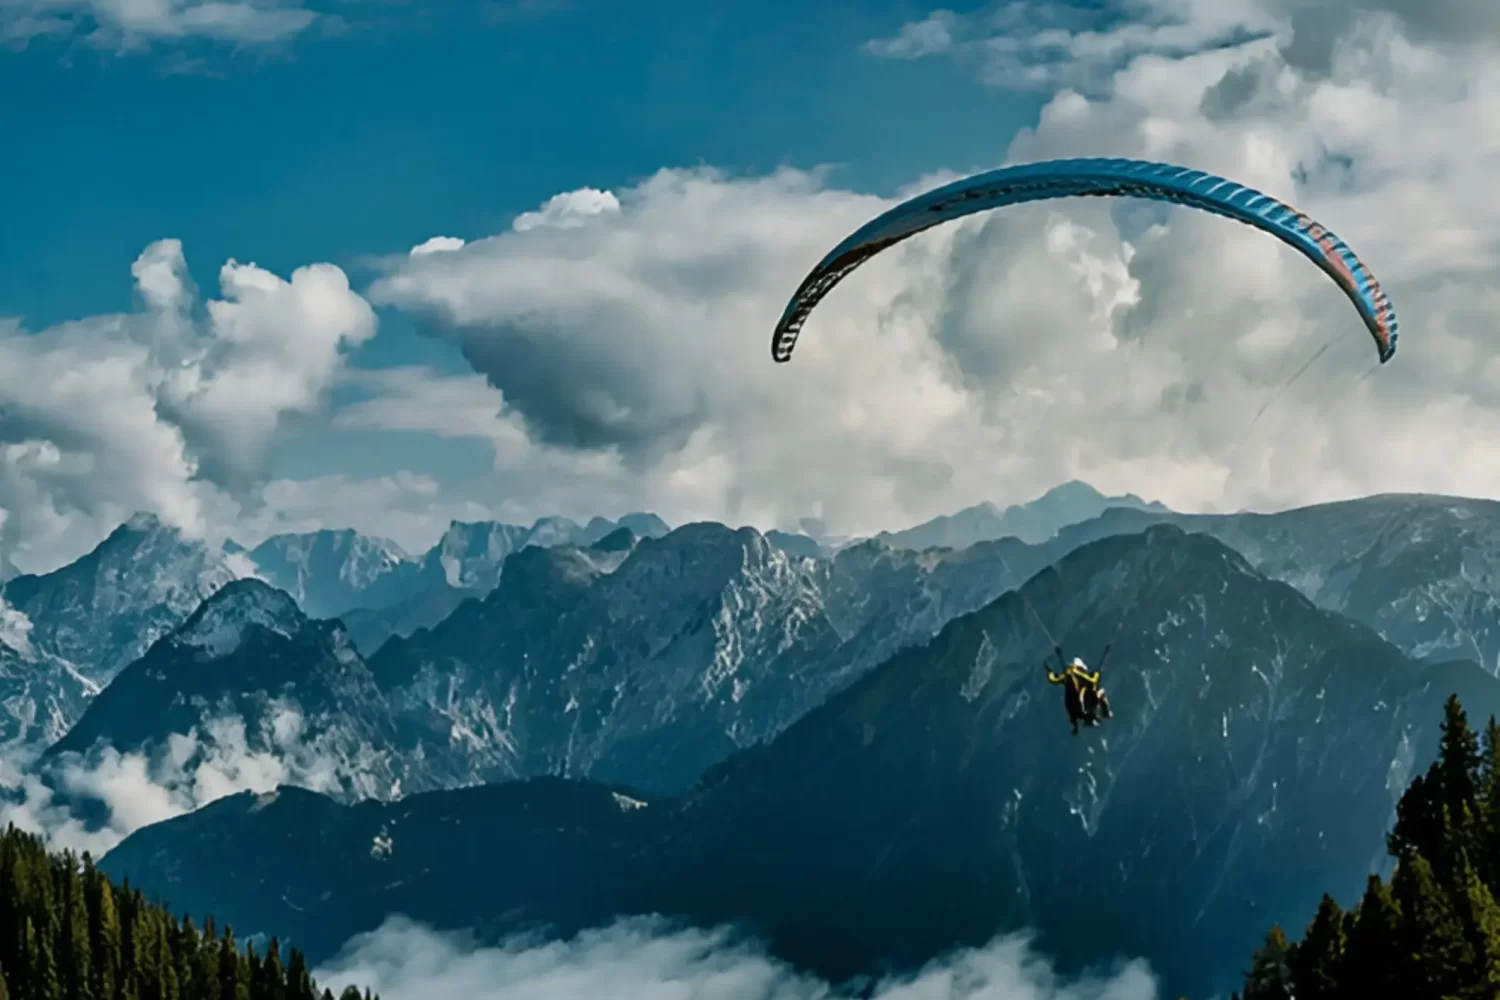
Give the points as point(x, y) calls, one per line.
point(1096, 178)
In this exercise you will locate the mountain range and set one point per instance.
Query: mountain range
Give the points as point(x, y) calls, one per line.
point(639, 661)
point(1034, 522)
point(333, 572)
point(1423, 571)
point(1259, 746)
point(873, 710)
point(84, 622)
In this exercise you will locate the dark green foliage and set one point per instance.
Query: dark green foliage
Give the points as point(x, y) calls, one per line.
point(1316, 962)
point(1373, 965)
point(68, 933)
point(1269, 977)
point(1434, 931)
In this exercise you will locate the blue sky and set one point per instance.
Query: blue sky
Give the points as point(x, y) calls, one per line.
point(451, 122)
point(321, 140)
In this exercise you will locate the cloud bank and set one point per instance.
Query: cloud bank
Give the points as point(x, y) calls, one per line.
point(619, 338)
point(91, 802)
point(650, 960)
point(1138, 348)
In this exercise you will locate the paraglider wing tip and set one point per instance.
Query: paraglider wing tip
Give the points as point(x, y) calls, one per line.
point(781, 347)
point(1388, 350)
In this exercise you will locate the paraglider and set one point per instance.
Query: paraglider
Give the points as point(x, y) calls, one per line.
point(1083, 699)
point(1092, 178)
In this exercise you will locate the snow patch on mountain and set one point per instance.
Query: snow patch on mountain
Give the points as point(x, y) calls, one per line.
point(15, 630)
point(40, 697)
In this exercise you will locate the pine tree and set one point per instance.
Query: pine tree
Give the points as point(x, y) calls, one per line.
point(104, 932)
point(1481, 921)
point(1419, 820)
point(1459, 764)
point(143, 963)
point(186, 948)
point(1432, 940)
point(1316, 960)
point(298, 982)
point(1269, 977)
point(255, 971)
point(232, 970)
point(48, 986)
point(77, 960)
point(273, 976)
point(1458, 755)
point(166, 970)
point(1372, 965)
point(11, 889)
point(208, 982)
point(22, 957)
point(1440, 815)
point(1488, 809)
point(1489, 762)
point(169, 988)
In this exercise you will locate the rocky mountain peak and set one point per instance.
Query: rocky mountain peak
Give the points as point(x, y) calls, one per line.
point(534, 575)
point(102, 611)
point(220, 623)
point(332, 570)
point(618, 540)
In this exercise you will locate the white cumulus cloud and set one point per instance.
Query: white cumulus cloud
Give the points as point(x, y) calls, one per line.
point(569, 210)
point(437, 244)
point(91, 802)
point(170, 408)
point(1140, 348)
